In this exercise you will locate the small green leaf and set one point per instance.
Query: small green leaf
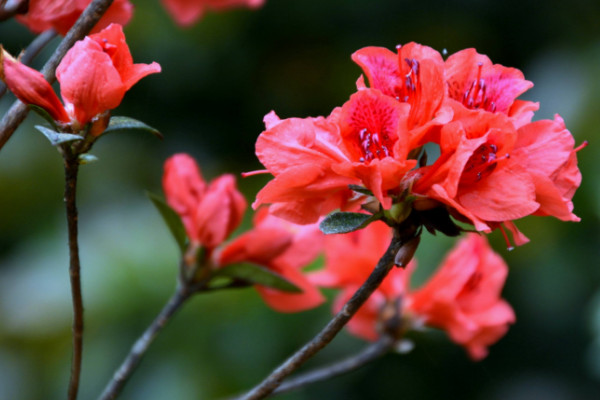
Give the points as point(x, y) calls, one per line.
point(87, 158)
point(118, 124)
point(172, 220)
point(258, 275)
point(57, 138)
point(360, 189)
point(344, 222)
point(44, 114)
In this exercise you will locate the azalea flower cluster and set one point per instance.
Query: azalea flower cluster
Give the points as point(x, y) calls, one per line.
point(463, 298)
point(495, 165)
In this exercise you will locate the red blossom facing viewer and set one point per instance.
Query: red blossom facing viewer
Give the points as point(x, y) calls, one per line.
point(94, 76)
point(475, 83)
point(187, 12)
point(62, 14)
point(413, 75)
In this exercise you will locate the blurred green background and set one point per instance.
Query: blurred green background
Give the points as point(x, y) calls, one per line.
point(219, 79)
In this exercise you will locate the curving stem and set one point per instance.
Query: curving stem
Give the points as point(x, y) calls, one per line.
point(385, 264)
point(138, 350)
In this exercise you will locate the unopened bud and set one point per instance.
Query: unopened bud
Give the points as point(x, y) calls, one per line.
point(99, 124)
point(406, 252)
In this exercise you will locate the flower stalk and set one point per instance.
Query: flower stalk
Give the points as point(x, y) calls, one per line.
point(71, 164)
point(370, 353)
point(140, 347)
point(402, 235)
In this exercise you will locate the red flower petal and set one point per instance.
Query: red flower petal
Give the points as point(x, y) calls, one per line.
point(463, 297)
point(477, 83)
point(112, 41)
point(281, 301)
point(219, 211)
point(30, 86)
point(381, 67)
point(187, 12)
point(284, 248)
point(209, 214)
point(62, 14)
point(507, 194)
point(88, 81)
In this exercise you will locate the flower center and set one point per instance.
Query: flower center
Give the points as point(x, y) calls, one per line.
point(373, 146)
point(481, 164)
point(475, 96)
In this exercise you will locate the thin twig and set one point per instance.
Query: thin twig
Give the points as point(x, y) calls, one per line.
point(368, 354)
point(18, 111)
point(71, 169)
point(327, 334)
point(138, 350)
point(33, 50)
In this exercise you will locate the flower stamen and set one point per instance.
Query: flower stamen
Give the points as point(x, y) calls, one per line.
point(475, 96)
point(481, 163)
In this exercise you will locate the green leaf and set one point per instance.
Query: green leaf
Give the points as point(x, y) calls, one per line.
point(360, 189)
point(44, 114)
point(258, 275)
point(344, 222)
point(57, 138)
point(172, 220)
point(125, 124)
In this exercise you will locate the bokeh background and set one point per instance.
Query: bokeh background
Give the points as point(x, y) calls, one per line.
point(220, 77)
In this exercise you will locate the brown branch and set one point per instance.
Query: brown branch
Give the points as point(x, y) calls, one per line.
point(368, 354)
point(32, 50)
point(90, 16)
point(138, 350)
point(71, 169)
point(385, 264)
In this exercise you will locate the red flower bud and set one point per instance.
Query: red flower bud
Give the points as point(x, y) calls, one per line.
point(209, 212)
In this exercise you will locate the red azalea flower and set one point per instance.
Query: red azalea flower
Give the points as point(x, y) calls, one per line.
point(492, 173)
point(463, 297)
point(546, 150)
point(94, 76)
point(62, 14)
point(415, 75)
point(475, 83)
point(284, 248)
point(209, 212)
point(375, 139)
point(476, 174)
point(315, 159)
point(300, 154)
point(187, 12)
